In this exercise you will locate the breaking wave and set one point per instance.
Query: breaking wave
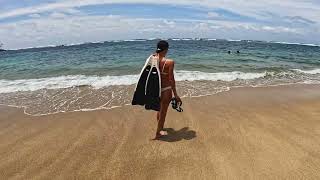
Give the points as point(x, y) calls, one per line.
point(7, 86)
point(314, 71)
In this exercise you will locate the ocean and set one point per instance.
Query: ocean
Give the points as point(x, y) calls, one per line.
point(103, 75)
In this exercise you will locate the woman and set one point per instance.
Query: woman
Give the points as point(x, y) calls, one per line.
point(168, 85)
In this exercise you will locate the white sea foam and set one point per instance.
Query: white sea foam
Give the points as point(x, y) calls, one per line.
point(316, 45)
point(221, 76)
point(234, 40)
point(293, 43)
point(97, 82)
point(135, 40)
point(7, 86)
point(314, 71)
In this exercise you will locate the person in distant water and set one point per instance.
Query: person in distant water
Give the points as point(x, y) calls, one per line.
point(238, 52)
point(229, 52)
point(168, 85)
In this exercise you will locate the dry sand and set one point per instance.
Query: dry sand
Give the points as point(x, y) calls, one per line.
point(247, 133)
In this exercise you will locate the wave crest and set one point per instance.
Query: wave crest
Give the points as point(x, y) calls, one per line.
point(7, 86)
point(314, 71)
point(221, 76)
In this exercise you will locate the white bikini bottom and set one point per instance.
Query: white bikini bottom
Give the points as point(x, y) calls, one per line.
point(166, 88)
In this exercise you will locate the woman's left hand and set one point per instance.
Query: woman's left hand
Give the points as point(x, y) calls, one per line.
point(178, 99)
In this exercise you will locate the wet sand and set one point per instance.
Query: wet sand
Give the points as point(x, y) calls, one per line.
point(246, 133)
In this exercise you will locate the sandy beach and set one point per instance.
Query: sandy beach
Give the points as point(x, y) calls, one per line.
point(245, 133)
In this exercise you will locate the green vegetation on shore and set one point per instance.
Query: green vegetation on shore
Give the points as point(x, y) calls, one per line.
point(1, 46)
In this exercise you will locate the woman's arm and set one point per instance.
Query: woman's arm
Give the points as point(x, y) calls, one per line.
point(173, 81)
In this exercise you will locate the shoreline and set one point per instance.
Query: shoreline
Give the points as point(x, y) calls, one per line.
point(229, 89)
point(244, 133)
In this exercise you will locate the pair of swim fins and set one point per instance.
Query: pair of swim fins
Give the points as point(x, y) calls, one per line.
point(148, 89)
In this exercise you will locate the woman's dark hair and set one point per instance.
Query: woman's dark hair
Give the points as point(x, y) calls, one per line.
point(162, 46)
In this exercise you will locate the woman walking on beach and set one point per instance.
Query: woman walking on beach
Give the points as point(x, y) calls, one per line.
point(168, 85)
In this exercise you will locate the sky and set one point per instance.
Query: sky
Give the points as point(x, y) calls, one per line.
point(38, 23)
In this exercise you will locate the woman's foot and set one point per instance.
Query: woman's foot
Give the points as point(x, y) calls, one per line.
point(160, 134)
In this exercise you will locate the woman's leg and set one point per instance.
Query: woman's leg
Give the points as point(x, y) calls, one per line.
point(161, 115)
point(158, 116)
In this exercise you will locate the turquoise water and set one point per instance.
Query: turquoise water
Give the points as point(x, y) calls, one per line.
point(123, 58)
point(111, 69)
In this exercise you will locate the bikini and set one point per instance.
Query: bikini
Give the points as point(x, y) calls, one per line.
point(162, 72)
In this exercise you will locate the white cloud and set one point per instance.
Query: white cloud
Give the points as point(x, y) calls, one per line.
point(58, 15)
point(307, 9)
point(170, 24)
point(56, 30)
point(285, 20)
point(213, 15)
point(71, 11)
point(35, 15)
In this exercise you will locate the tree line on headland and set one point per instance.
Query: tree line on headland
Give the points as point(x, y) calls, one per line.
point(1, 44)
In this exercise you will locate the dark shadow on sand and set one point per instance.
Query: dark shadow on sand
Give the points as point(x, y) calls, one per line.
point(174, 136)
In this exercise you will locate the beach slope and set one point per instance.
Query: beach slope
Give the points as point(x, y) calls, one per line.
point(246, 133)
